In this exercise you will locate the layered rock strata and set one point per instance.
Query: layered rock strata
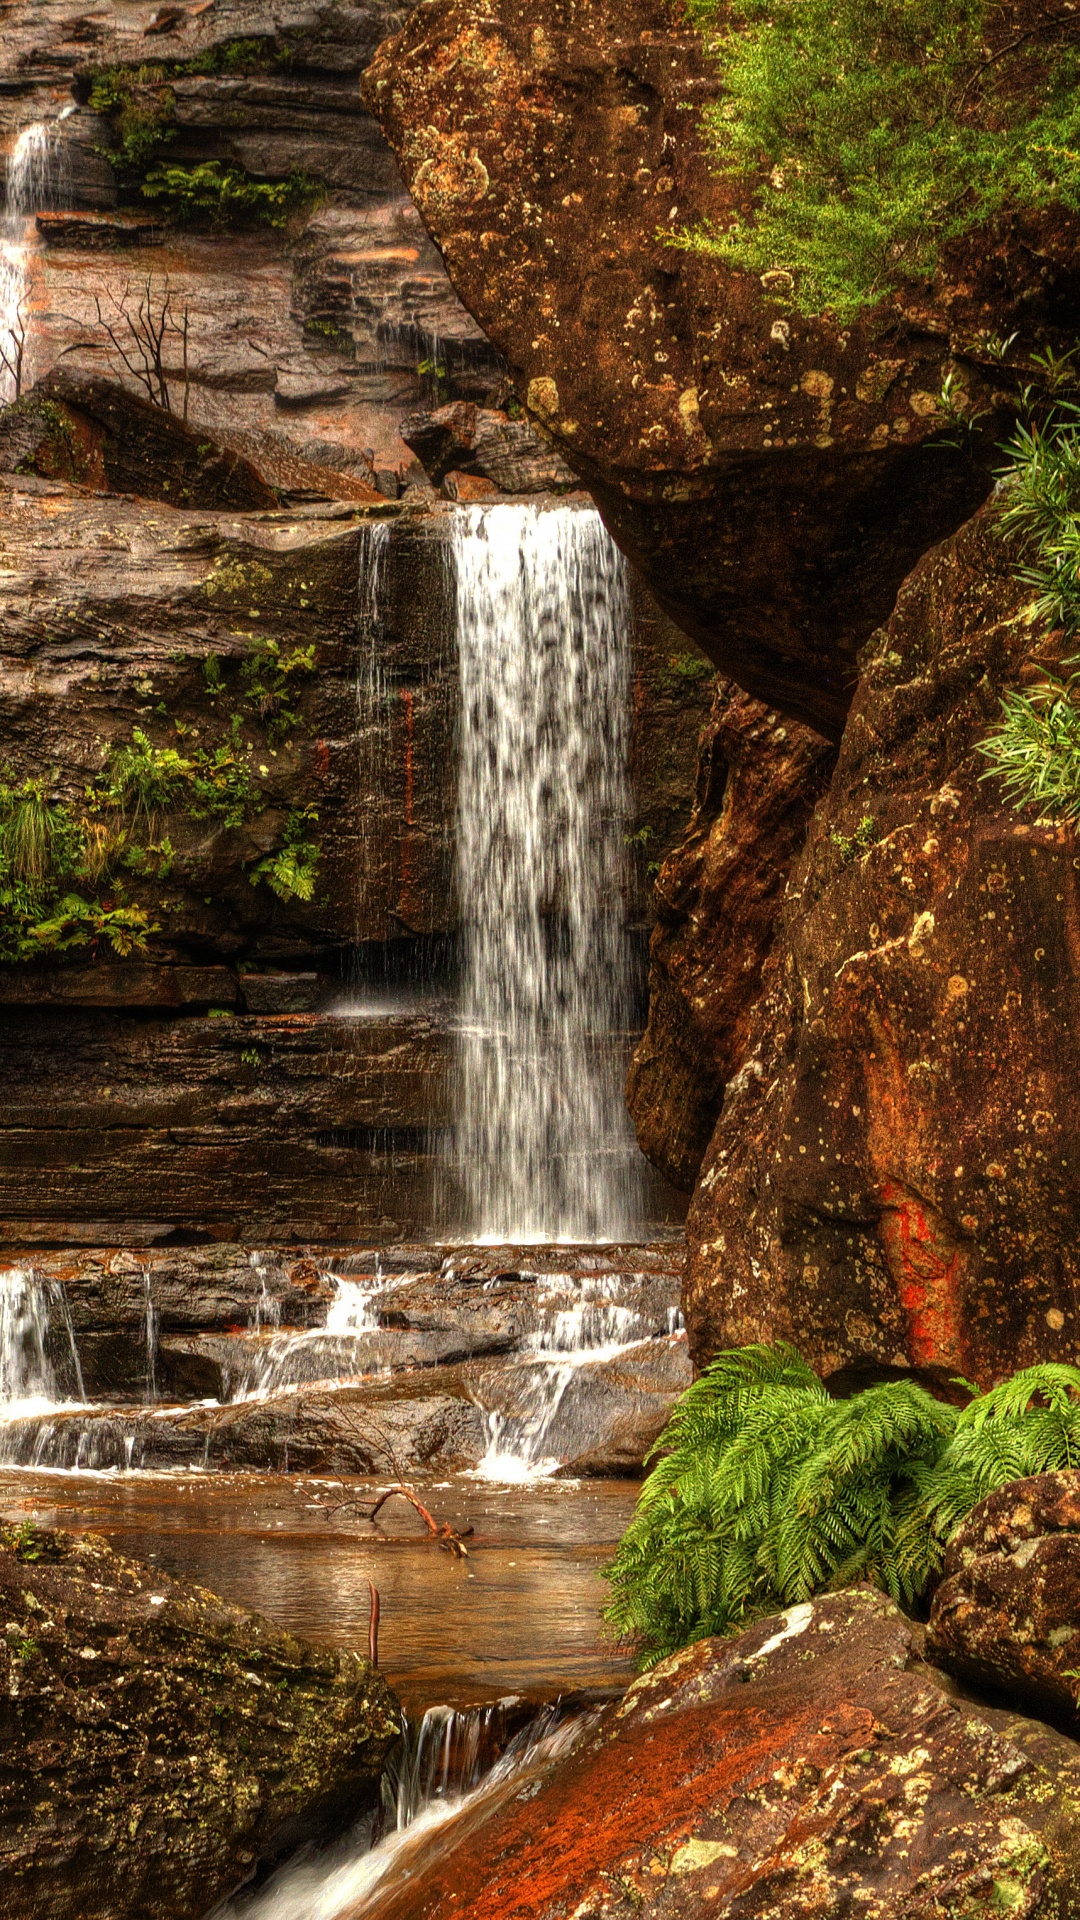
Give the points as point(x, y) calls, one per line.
point(386, 1361)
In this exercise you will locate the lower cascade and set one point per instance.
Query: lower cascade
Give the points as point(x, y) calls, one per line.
point(543, 1147)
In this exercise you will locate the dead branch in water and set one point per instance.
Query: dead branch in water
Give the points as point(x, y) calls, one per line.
point(373, 1625)
point(447, 1536)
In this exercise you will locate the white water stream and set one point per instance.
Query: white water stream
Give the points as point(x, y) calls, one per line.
point(438, 1792)
point(35, 176)
point(543, 1149)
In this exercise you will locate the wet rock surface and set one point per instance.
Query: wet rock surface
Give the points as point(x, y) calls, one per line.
point(1007, 1613)
point(717, 899)
point(159, 1743)
point(387, 1362)
point(283, 1120)
point(775, 477)
point(892, 1181)
point(813, 1765)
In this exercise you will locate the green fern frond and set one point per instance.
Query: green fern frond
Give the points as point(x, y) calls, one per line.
point(767, 1491)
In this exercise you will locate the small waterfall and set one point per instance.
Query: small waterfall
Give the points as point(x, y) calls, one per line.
point(340, 1349)
point(150, 1328)
point(454, 1771)
point(543, 1146)
point(29, 1313)
point(529, 1443)
point(372, 702)
point(35, 176)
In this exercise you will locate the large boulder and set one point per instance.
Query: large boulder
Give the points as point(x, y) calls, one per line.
point(717, 899)
point(893, 1179)
point(812, 1766)
point(1007, 1613)
point(774, 476)
point(102, 435)
point(157, 1743)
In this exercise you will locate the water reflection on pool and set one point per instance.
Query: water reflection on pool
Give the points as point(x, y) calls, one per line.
point(520, 1614)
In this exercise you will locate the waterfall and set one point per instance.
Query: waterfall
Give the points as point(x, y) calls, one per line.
point(548, 1422)
point(29, 1310)
point(34, 175)
point(447, 1778)
point(543, 1148)
point(372, 695)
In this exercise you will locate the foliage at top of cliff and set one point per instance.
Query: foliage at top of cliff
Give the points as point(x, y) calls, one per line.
point(769, 1491)
point(879, 130)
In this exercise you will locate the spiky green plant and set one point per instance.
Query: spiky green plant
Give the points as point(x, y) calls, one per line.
point(1034, 748)
point(768, 1491)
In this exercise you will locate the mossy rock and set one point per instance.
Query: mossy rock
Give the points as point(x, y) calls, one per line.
point(158, 1743)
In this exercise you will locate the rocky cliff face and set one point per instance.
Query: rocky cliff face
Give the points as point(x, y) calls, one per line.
point(774, 477)
point(316, 336)
point(717, 899)
point(891, 1183)
point(224, 1054)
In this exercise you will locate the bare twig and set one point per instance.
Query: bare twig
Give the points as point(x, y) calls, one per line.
point(138, 337)
point(446, 1535)
point(13, 349)
point(373, 1625)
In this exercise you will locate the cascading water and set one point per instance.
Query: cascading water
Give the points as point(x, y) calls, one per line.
point(29, 1334)
point(535, 1439)
point(34, 177)
point(543, 1148)
point(345, 1346)
point(445, 1781)
point(372, 690)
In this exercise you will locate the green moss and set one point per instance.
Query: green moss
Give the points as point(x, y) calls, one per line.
point(877, 132)
point(210, 195)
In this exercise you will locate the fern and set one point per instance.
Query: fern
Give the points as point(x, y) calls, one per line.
point(767, 1491)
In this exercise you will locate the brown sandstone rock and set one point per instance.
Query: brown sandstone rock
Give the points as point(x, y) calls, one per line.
point(774, 477)
point(717, 898)
point(158, 1743)
point(146, 451)
point(483, 441)
point(892, 1181)
point(798, 1770)
point(1007, 1613)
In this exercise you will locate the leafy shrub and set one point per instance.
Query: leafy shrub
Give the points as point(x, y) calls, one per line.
point(767, 1491)
point(878, 132)
point(141, 109)
point(144, 780)
point(265, 674)
point(46, 852)
point(209, 194)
